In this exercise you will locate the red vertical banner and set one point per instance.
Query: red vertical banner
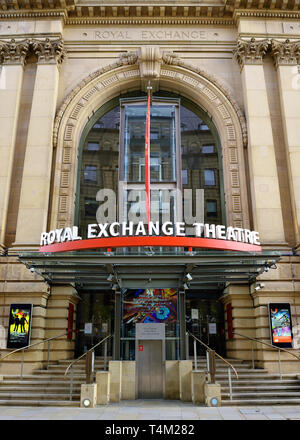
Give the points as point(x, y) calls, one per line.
point(70, 321)
point(147, 156)
point(229, 321)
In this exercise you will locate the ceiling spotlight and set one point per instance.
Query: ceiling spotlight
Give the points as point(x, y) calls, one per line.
point(115, 287)
point(185, 286)
point(110, 277)
point(267, 268)
point(189, 277)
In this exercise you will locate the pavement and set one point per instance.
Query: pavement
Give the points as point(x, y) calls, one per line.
point(151, 410)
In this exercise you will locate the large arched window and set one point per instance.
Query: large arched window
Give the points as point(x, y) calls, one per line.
point(185, 156)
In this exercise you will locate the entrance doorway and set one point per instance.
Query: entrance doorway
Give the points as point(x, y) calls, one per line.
point(205, 320)
point(94, 321)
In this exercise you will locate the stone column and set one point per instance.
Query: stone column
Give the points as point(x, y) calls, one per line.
point(266, 202)
point(12, 56)
point(34, 198)
point(286, 56)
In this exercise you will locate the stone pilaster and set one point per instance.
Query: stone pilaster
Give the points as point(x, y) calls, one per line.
point(286, 55)
point(12, 58)
point(34, 199)
point(266, 202)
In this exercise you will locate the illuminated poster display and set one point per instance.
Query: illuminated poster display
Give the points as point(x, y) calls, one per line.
point(150, 305)
point(281, 324)
point(19, 325)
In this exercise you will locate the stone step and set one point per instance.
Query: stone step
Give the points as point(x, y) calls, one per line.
point(76, 377)
point(263, 394)
point(237, 389)
point(22, 402)
point(260, 402)
point(39, 389)
point(38, 396)
point(45, 383)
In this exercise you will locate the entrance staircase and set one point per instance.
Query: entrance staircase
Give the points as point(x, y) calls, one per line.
point(46, 387)
point(254, 386)
point(51, 388)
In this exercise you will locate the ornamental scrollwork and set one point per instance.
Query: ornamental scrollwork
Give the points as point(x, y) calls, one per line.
point(49, 51)
point(251, 52)
point(13, 52)
point(285, 52)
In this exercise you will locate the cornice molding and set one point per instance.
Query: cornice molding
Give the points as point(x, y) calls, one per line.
point(251, 51)
point(285, 53)
point(226, 13)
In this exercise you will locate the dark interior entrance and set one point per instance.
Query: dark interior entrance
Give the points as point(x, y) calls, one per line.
point(205, 319)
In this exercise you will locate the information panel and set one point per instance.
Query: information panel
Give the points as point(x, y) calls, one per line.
point(281, 324)
point(19, 326)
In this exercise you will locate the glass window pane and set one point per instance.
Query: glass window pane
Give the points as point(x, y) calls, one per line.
point(90, 173)
point(211, 208)
point(209, 177)
point(208, 149)
point(93, 146)
point(162, 143)
point(90, 207)
point(200, 159)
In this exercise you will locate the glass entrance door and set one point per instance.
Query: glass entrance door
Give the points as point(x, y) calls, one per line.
point(205, 319)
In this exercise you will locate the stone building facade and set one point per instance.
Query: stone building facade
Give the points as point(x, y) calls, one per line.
point(237, 61)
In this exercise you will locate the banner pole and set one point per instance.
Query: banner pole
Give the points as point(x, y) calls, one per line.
point(147, 155)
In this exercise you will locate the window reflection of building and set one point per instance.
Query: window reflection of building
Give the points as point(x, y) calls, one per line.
point(199, 157)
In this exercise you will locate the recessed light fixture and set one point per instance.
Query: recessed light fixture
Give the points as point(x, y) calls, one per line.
point(86, 403)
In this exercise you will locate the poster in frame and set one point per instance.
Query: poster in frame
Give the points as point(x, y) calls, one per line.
point(281, 325)
point(19, 326)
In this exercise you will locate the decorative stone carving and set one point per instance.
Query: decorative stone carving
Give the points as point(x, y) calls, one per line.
point(13, 52)
point(250, 52)
point(49, 51)
point(128, 58)
point(285, 52)
point(149, 61)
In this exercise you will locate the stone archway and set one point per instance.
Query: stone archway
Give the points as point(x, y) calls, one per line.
point(167, 72)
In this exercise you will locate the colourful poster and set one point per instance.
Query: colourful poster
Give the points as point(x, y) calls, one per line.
point(150, 305)
point(281, 324)
point(19, 325)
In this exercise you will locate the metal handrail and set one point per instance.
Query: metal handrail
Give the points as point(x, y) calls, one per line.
point(30, 346)
point(268, 345)
point(219, 356)
point(84, 354)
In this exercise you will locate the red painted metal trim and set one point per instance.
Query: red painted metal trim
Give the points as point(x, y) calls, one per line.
point(147, 158)
point(144, 241)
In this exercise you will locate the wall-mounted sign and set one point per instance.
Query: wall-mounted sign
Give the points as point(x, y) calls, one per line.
point(168, 234)
point(194, 313)
point(150, 305)
point(281, 324)
point(19, 325)
point(88, 328)
point(212, 328)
